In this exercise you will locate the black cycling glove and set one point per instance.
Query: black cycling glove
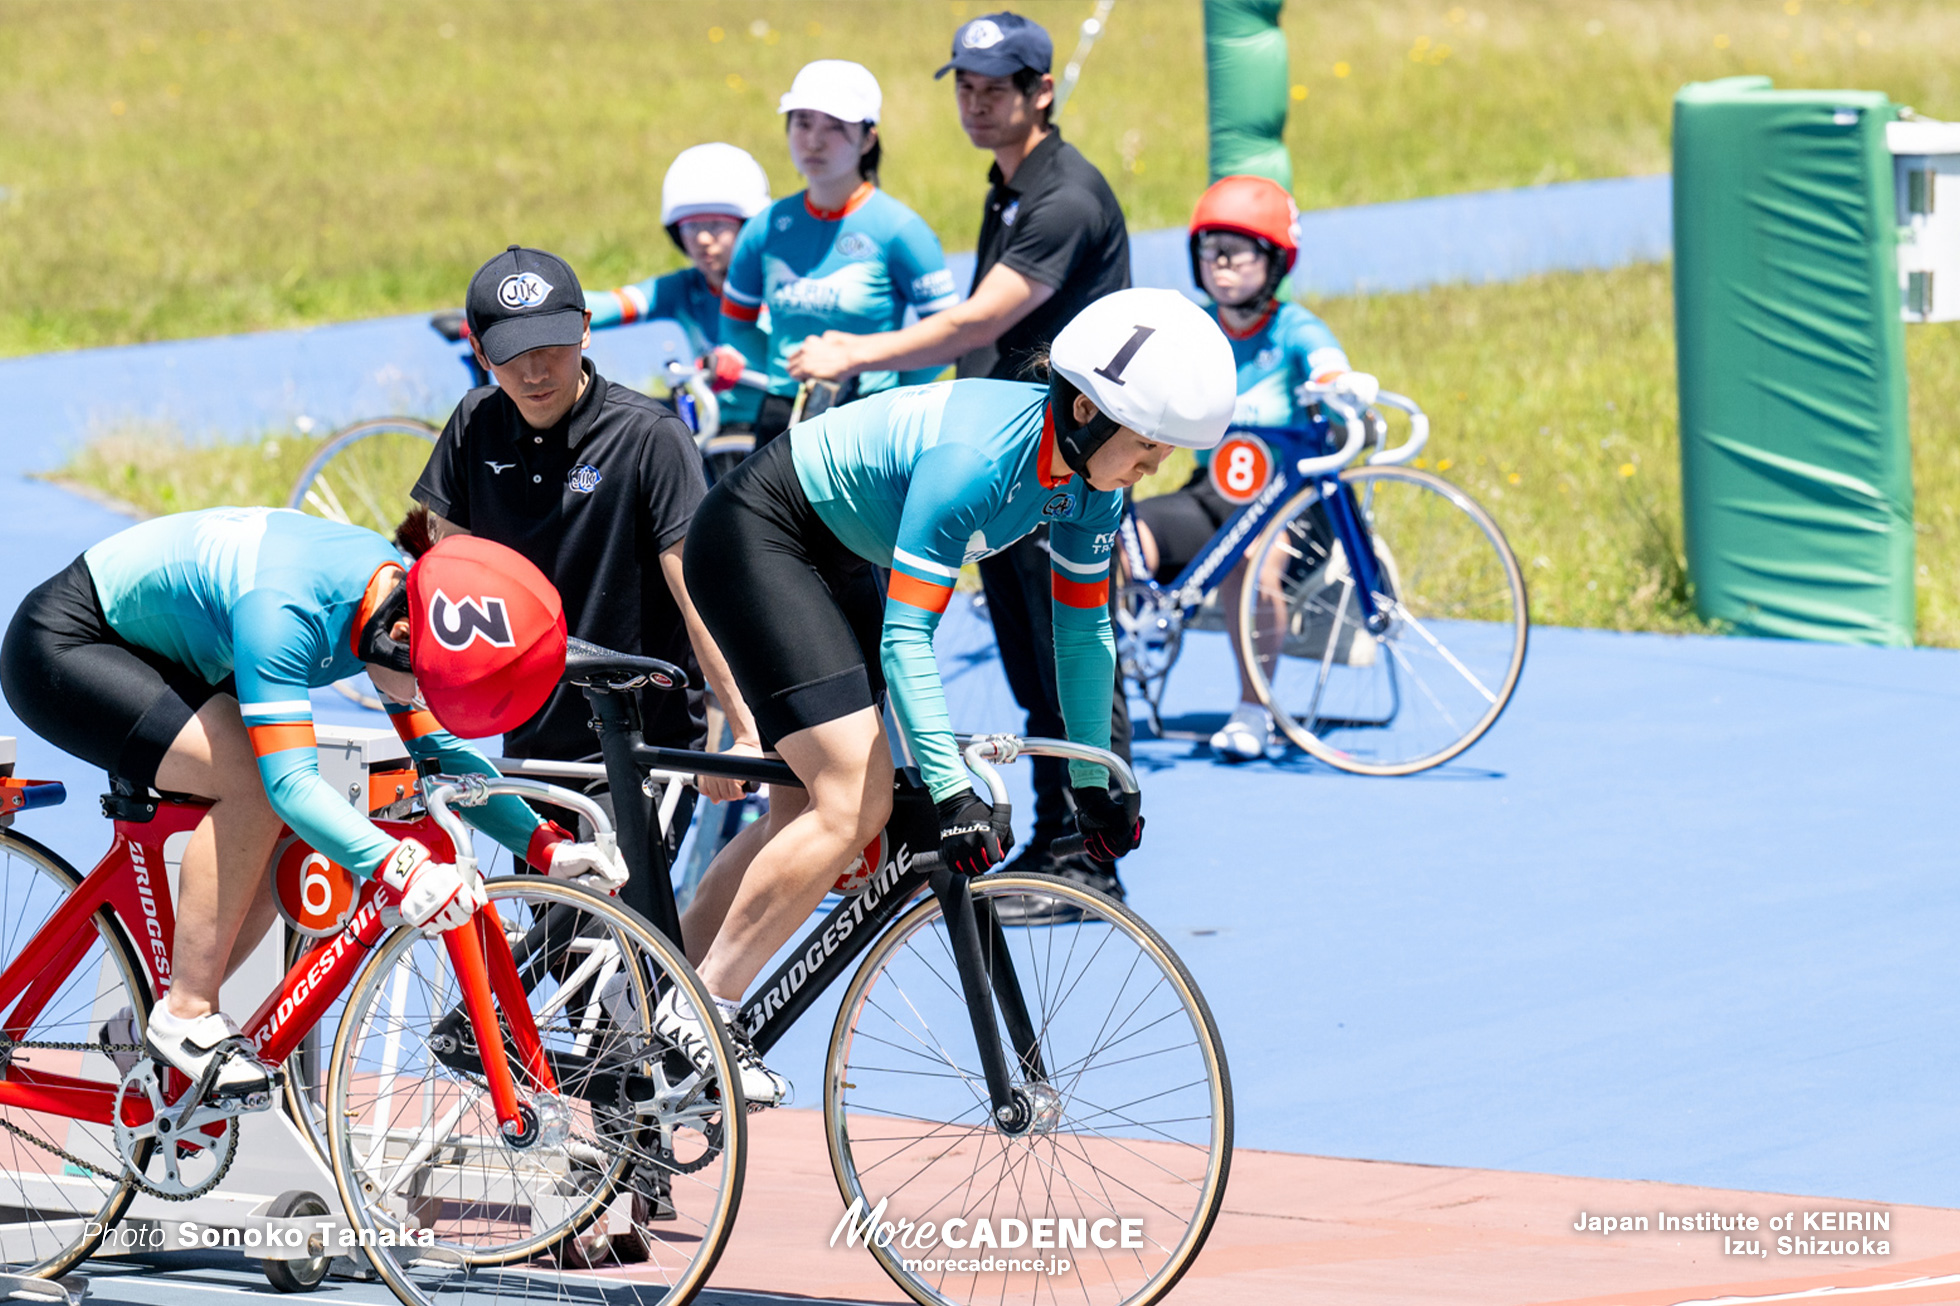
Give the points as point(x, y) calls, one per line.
point(1110, 822)
point(968, 842)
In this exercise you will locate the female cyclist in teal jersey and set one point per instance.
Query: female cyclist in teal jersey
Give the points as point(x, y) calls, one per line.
point(1245, 237)
point(921, 480)
point(179, 654)
point(708, 193)
point(841, 255)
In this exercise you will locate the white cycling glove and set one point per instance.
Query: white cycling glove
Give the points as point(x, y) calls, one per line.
point(1353, 391)
point(435, 896)
point(584, 863)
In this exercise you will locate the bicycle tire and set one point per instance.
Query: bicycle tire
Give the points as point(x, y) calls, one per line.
point(375, 478)
point(1149, 1159)
point(32, 1178)
point(490, 1206)
point(1448, 572)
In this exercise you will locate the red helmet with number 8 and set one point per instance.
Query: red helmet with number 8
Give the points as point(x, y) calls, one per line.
point(1252, 206)
point(486, 635)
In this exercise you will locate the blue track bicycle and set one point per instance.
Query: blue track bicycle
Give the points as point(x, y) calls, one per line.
point(1381, 615)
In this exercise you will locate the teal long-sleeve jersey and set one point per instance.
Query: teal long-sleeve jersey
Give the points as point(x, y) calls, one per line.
point(924, 479)
point(271, 598)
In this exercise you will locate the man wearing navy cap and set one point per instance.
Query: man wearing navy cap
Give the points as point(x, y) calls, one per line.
point(1052, 239)
point(596, 484)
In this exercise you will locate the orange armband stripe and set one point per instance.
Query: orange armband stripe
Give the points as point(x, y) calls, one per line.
point(1081, 594)
point(740, 312)
point(267, 740)
point(414, 723)
point(920, 593)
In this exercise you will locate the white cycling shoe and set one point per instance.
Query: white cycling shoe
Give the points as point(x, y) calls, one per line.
point(1245, 735)
point(675, 1020)
point(195, 1047)
point(120, 1031)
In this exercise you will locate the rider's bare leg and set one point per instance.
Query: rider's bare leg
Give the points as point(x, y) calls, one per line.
point(716, 892)
point(223, 886)
point(846, 769)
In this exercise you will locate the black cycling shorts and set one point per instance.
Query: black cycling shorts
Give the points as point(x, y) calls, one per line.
point(88, 691)
point(797, 615)
point(1183, 522)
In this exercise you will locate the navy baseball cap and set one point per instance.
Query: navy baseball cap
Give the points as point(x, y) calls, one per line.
point(1000, 45)
point(525, 299)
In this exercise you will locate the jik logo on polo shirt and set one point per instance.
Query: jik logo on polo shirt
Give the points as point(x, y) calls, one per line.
point(1011, 212)
point(523, 290)
point(1060, 505)
point(584, 478)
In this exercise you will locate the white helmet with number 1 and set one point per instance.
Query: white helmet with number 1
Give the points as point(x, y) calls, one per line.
point(1150, 360)
point(718, 179)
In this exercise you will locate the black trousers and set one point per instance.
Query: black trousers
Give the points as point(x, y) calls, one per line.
point(1019, 601)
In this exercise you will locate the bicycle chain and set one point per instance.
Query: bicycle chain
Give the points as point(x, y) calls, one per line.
point(128, 1172)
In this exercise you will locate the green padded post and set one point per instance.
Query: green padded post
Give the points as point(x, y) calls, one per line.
point(1796, 473)
point(1245, 77)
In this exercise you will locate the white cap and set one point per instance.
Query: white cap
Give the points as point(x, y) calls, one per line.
point(838, 87)
point(1155, 362)
point(713, 178)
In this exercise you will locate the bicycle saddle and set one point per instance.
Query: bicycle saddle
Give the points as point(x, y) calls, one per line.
point(590, 667)
point(450, 324)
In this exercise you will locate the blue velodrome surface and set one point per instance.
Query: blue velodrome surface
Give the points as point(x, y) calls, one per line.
point(234, 386)
point(1686, 914)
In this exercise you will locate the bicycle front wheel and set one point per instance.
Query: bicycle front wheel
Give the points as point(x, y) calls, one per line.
point(54, 1212)
point(634, 1168)
point(1109, 1195)
point(1452, 626)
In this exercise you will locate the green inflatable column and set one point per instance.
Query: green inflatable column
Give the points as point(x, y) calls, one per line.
point(1796, 474)
point(1245, 72)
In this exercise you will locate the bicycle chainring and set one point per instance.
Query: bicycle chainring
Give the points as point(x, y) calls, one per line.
point(210, 1157)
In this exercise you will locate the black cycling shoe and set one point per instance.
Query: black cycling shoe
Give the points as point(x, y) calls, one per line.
point(1044, 909)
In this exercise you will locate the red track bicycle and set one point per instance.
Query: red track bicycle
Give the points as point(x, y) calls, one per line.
point(494, 1098)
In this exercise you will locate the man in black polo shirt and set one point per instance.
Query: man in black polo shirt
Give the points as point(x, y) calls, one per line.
point(1052, 239)
point(594, 483)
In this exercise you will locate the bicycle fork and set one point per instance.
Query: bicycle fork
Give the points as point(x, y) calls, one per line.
point(1346, 514)
point(986, 975)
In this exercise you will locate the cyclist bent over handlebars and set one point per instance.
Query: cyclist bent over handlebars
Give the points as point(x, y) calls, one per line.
point(920, 480)
point(179, 654)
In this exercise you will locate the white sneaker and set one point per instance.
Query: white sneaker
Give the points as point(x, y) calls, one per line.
point(191, 1046)
point(120, 1028)
point(1245, 735)
point(675, 1020)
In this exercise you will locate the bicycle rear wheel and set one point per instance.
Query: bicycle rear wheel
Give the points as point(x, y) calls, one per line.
point(53, 1212)
point(1442, 669)
point(363, 473)
point(1134, 1108)
point(361, 477)
point(637, 1169)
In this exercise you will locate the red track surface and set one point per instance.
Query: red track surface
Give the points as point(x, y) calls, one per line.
point(1362, 1233)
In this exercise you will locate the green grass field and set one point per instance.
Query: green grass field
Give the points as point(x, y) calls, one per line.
point(1572, 447)
point(192, 168)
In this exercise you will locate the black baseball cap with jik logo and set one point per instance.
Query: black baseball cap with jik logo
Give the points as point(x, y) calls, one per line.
point(525, 299)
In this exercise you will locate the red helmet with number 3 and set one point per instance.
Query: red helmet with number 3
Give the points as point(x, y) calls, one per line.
point(1252, 206)
point(486, 635)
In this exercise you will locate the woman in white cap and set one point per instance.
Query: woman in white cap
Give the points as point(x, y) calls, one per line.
point(708, 193)
point(840, 255)
point(921, 480)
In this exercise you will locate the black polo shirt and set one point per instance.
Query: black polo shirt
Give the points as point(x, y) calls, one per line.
point(592, 501)
point(1056, 223)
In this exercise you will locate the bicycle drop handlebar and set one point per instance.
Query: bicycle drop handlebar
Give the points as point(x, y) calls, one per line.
point(441, 792)
point(707, 405)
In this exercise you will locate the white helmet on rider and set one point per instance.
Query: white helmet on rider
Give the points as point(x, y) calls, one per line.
point(1150, 360)
point(718, 179)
